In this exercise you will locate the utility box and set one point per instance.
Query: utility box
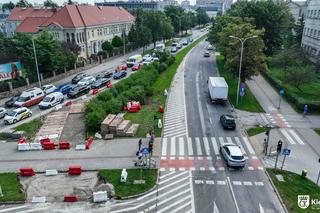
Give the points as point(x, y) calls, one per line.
point(218, 89)
point(124, 175)
point(100, 196)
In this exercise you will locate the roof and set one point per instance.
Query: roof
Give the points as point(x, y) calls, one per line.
point(218, 81)
point(19, 14)
point(30, 25)
point(234, 150)
point(73, 16)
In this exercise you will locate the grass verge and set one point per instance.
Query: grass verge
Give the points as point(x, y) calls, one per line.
point(293, 186)
point(248, 102)
point(30, 128)
point(10, 188)
point(317, 130)
point(128, 188)
point(145, 116)
point(256, 130)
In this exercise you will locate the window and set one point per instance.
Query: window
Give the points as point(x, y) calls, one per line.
point(319, 34)
point(88, 35)
point(82, 35)
point(92, 33)
point(78, 38)
point(315, 33)
point(308, 13)
point(318, 13)
point(73, 39)
point(68, 37)
point(311, 32)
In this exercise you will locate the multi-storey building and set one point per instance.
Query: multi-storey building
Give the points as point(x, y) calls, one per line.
point(297, 9)
point(87, 26)
point(4, 14)
point(311, 33)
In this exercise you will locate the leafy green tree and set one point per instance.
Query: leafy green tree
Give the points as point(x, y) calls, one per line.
point(175, 14)
point(145, 36)
point(300, 75)
point(167, 29)
point(272, 16)
point(153, 21)
point(298, 29)
point(23, 3)
point(10, 5)
point(117, 41)
point(70, 2)
point(202, 16)
point(107, 46)
point(50, 3)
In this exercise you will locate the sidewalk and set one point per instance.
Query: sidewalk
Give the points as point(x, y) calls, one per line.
point(294, 130)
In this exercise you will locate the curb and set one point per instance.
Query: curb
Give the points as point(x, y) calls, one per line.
point(12, 202)
point(277, 192)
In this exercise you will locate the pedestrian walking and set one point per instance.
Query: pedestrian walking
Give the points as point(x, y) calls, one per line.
point(139, 144)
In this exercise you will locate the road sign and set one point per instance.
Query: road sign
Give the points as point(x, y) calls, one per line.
point(281, 92)
point(305, 108)
point(286, 151)
point(144, 151)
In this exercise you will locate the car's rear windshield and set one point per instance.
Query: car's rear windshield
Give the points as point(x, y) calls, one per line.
point(237, 157)
point(23, 99)
point(131, 60)
point(11, 113)
point(47, 99)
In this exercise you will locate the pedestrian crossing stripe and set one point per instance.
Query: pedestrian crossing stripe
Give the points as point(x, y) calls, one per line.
point(222, 182)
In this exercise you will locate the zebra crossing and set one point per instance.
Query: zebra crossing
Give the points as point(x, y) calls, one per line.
point(224, 182)
point(292, 137)
point(206, 147)
point(172, 194)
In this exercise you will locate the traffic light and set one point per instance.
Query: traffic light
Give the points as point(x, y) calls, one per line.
point(267, 132)
point(279, 146)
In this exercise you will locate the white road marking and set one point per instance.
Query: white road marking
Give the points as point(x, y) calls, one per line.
point(174, 204)
point(215, 146)
point(261, 209)
point(32, 210)
point(198, 181)
point(206, 146)
point(247, 183)
point(260, 168)
point(285, 133)
point(182, 169)
point(202, 168)
point(200, 158)
point(294, 134)
point(229, 140)
point(237, 183)
point(221, 169)
point(215, 208)
point(173, 147)
point(240, 145)
point(13, 208)
point(182, 207)
point(250, 168)
point(258, 183)
point(233, 196)
point(192, 193)
point(178, 175)
point(190, 150)
point(248, 145)
point(200, 104)
point(199, 151)
point(192, 169)
point(221, 182)
point(212, 169)
point(164, 146)
point(221, 141)
point(162, 169)
point(181, 147)
point(172, 169)
point(210, 182)
point(166, 175)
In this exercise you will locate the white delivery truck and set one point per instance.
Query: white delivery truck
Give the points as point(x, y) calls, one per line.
point(218, 89)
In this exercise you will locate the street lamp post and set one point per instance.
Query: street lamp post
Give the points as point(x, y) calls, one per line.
point(242, 41)
point(35, 58)
point(124, 42)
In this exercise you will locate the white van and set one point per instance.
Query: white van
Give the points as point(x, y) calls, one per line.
point(160, 47)
point(30, 97)
point(51, 100)
point(134, 60)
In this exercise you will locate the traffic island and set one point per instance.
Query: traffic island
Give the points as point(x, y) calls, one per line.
point(296, 190)
point(132, 186)
point(256, 130)
point(11, 191)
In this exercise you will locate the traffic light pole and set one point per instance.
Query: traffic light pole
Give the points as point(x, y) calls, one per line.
point(275, 165)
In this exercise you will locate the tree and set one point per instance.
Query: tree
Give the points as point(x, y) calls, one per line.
point(50, 3)
point(23, 3)
point(202, 16)
point(70, 2)
point(117, 41)
point(72, 46)
point(175, 14)
point(272, 16)
point(107, 46)
point(300, 75)
point(298, 29)
point(145, 36)
point(8, 6)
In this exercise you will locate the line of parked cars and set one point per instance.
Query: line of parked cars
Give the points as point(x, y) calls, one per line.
point(178, 45)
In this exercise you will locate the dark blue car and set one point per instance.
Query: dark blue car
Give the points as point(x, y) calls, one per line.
point(64, 89)
point(118, 74)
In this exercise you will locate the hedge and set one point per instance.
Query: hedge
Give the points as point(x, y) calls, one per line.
point(136, 87)
point(297, 102)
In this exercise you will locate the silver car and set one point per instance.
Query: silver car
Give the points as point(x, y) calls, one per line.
point(233, 155)
point(3, 112)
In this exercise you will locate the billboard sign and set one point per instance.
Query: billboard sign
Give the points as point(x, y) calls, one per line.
point(10, 71)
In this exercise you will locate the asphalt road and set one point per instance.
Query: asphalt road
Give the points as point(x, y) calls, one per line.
point(238, 190)
point(108, 66)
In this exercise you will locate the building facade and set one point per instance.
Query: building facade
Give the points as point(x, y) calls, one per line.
point(136, 4)
point(298, 9)
point(311, 34)
point(4, 14)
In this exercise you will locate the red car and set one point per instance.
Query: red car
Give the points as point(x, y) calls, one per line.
point(136, 67)
point(122, 67)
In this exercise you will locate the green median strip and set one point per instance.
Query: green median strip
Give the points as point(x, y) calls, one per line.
point(292, 186)
point(256, 130)
point(129, 188)
point(317, 130)
point(11, 188)
point(248, 102)
point(30, 128)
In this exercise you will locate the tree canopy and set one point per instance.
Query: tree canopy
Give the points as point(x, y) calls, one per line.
point(10, 5)
point(23, 3)
point(50, 3)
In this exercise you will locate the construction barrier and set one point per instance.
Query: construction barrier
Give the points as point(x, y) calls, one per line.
point(22, 140)
point(100, 196)
point(75, 170)
point(68, 103)
point(161, 109)
point(64, 145)
point(26, 172)
point(108, 84)
point(51, 172)
point(23, 147)
point(48, 145)
point(35, 146)
point(95, 91)
point(44, 140)
point(81, 147)
point(89, 142)
point(70, 198)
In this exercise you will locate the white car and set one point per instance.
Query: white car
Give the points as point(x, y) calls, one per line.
point(86, 81)
point(16, 115)
point(233, 155)
point(49, 88)
point(51, 100)
point(210, 47)
point(173, 49)
point(147, 58)
point(147, 61)
point(3, 112)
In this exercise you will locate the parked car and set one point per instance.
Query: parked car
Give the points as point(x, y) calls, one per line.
point(51, 100)
point(101, 82)
point(136, 67)
point(88, 80)
point(173, 49)
point(147, 61)
point(78, 91)
point(10, 103)
point(179, 46)
point(3, 112)
point(160, 47)
point(174, 44)
point(190, 39)
point(147, 57)
point(104, 74)
point(64, 88)
point(118, 74)
point(122, 67)
point(185, 42)
point(232, 155)
point(48, 88)
point(210, 47)
point(78, 78)
point(30, 97)
point(228, 122)
point(16, 115)
point(134, 59)
point(206, 54)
